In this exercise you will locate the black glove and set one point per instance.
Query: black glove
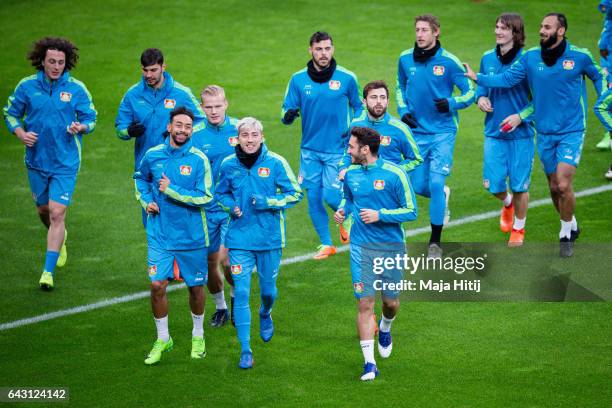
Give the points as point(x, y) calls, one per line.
point(136, 129)
point(290, 116)
point(410, 120)
point(442, 105)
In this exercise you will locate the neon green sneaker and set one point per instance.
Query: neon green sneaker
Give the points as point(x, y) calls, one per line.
point(158, 348)
point(604, 144)
point(198, 347)
point(46, 281)
point(63, 255)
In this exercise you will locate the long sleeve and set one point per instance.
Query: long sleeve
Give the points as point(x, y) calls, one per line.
point(292, 99)
point(481, 90)
point(347, 200)
point(509, 78)
point(465, 86)
point(602, 109)
point(203, 192)
point(595, 74)
point(288, 190)
point(223, 189)
point(15, 109)
point(125, 117)
point(355, 98)
point(409, 149)
point(400, 88)
point(85, 111)
point(406, 211)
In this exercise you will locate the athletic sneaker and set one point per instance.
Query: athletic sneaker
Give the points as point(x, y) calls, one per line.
point(158, 348)
point(575, 234)
point(345, 230)
point(566, 247)
point(434, 251)
point(446, 207)
point(46, 281)
point(608, 173)
point(516, 237)
point(604, 144)
point(324, 251)
point(266, 326)
point(370, 372)
point(246, 360)
point(63, 255)
point(198, 347)
point(219, 318)
point(506, 218)
point(385, 343)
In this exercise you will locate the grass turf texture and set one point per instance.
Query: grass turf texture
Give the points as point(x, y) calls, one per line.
point(446, 354)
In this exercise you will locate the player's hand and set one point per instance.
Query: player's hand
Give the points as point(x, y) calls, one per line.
point(339, 216)
point(27, 138)
point(442, 105)
point(76, 128)
point(237, 212)
point(368, 216)
point(136, 129)
point(164, 182)
point(410, 120)
point(510, 123)
point(484, 103)
point(290, 116)
point(469, 72)
point(604, 53)
point(341, 174)
point(259, 201)
point(152, 208)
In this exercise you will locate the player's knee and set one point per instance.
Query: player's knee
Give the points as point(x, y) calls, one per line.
point(366, 306)
point(158, 288)
point(391, 304)
point(564, 186)
point(57, 215)
point(43, 209)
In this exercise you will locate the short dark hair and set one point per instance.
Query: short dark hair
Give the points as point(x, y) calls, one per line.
point(320, 36)
point(367, 137)
point(515, 23)
point(560, 18)
point(375, 85)
point(181, 110)
point(151, 56)
point(39, 52)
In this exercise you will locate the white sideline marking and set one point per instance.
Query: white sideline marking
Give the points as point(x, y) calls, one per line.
point(288, 261)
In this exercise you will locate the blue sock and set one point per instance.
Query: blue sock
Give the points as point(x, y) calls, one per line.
point(437, 203)
point(242, 314)
point(318, 215)
point(50, 261)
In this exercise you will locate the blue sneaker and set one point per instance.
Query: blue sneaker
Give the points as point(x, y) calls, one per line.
point(370, 372)
point(266, 326)
point(385, 343)
point(246, 360)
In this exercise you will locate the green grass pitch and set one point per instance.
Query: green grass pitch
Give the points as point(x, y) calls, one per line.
point(446, 354)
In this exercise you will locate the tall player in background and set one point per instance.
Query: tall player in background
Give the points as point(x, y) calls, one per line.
point(604, 44)
point(327, 96)
point(508, 146)
point(426, 77)
point(603, 110)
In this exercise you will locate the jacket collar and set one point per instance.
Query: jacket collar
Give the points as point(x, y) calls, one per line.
point(376, 164)
point(181, 151)
point(383, 119)
point(166, 87)
point(46, 83)
point(219, 126)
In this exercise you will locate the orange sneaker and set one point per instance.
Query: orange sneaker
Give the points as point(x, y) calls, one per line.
point(177, 272)
point(506, 219)
point(516, 237)
point(344, 235)
point(324, 251)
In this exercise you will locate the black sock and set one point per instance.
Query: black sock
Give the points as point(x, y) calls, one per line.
point(436, 233)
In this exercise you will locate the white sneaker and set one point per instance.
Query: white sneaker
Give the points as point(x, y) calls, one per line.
point(447, 212)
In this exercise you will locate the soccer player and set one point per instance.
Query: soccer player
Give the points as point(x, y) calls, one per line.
point(426, 77)
point(327, 95)
point(143, 111)
point(555, 72)
point(255, 187)
point(49, 112)
point(605, 6)
point(217, 137)
point(173, 184)
point(508, 146)
point(603, 110)
point(377, 194)
point(396, 142)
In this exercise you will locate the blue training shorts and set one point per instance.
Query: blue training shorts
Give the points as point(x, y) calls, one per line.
point(510, 159)
point(46, 186)
point(217, 228)
point(319, 169)
point(369, 272)
point(555, 149)
point(193, 264)
point(437, 152)
point(243, 261)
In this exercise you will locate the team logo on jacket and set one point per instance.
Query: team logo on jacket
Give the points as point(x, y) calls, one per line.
point(385, 140)
point(438, 70)
point(263, 171)
point(568, 65)
point(65, 96)
point(185, 170)
point(232, 140)
point(152, 270)
point(169, 103)
point(334, 85)
point(236, 269)
point(358, 287)
point(379, 184)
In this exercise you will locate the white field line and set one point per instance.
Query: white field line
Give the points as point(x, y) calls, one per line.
point(287, 261)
